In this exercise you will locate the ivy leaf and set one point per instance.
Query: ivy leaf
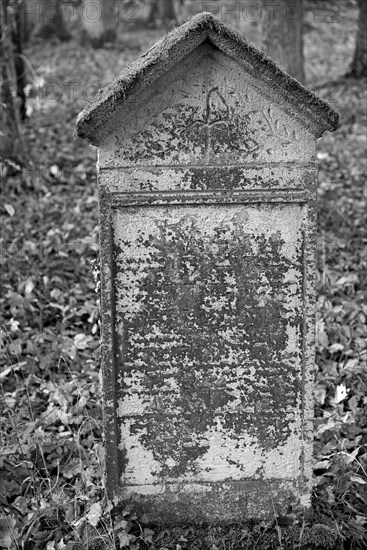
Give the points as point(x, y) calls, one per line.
point(94, 514)
point(124, 539)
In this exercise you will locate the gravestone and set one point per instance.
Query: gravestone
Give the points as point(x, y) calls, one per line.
point(207, 189)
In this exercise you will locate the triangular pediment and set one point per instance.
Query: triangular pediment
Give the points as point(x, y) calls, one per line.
point(178, 45)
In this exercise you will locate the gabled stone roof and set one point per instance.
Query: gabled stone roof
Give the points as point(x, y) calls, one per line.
point(179, 43)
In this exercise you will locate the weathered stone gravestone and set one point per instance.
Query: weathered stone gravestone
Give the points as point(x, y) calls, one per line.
point(207, 184)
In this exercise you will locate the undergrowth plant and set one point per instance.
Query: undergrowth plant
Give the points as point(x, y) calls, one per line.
point(52, 492)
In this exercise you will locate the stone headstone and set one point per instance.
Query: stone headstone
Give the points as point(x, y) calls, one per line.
point(207, 185)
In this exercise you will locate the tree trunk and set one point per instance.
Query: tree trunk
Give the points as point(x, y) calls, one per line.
point(99, 22)
point(20, 67)
point(282, 36)
point(162, 12)
point(359, 63)
point(51, 22)
point(12, 147)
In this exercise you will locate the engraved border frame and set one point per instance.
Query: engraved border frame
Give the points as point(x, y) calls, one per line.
point(109, 201)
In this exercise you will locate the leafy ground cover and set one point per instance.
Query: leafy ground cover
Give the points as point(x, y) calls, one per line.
point(52, 492)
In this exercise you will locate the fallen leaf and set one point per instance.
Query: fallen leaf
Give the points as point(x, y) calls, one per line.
point(358, 479)
point(341, 393)
point(9, 208)
point(94, 514)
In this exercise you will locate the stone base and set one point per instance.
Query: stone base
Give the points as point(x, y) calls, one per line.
point(215, 503)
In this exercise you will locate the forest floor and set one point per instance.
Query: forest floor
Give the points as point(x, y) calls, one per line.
point(52, 494)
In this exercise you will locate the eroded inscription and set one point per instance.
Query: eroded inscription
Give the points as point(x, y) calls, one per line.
point(209, 338)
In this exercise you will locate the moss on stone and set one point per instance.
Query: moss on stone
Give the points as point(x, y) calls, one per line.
point(180, 42)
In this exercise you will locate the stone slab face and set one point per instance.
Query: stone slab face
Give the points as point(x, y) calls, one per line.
point(207, 196)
